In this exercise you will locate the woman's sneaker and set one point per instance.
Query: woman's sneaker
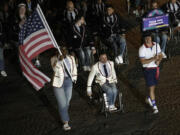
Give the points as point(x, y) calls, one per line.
point(66, 127)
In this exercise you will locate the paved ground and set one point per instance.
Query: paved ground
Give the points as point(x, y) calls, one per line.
point(23, 111)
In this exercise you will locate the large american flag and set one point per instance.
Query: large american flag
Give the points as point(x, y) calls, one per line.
point(34, 39)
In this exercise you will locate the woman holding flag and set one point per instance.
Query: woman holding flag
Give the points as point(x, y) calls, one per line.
point(65, 73)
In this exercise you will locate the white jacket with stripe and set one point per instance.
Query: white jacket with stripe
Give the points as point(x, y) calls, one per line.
point(100, 78)
point(59, 71)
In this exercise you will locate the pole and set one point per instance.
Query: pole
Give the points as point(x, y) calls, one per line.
point(51, 34)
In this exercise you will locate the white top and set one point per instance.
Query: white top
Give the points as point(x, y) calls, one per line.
point(97, 72)
point(73, 15)
point(174, 7)
point(147, 53)
point(108, 67)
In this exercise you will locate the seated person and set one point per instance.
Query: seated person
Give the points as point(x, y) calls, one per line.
point(106, 78)
point(2, 68)
point(112, 31)
point(139, 4)
point(82, 43)
point(70, 13)
point(81, 5)
point(173, 8)
point(162, 35)
point(97, 10)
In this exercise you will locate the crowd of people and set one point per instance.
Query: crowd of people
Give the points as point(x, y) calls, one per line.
point(78, 25)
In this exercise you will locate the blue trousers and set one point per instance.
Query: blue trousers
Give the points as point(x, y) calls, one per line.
point(63, 96)
point(111, 91)
point(118, 43)
point(84, 55)
point(163, 40)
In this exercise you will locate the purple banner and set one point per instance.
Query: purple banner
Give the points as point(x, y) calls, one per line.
point(155, 22)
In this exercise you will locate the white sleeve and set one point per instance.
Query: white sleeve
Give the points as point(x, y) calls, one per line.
point(75, 68)
point(91, 76)
point(158, 49)
point(141, 53)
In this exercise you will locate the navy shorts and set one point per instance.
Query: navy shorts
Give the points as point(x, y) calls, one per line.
point(151, 76)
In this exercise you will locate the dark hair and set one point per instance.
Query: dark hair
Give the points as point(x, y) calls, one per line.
point(147, 34)
point(109, 6)
point(78, 17)
point(102, 53)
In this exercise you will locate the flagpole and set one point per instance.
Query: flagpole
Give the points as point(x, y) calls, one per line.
point(47, 27)
point(50, 33)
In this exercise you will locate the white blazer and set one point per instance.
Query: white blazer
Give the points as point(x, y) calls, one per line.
point(58, 78)
point(100, 78)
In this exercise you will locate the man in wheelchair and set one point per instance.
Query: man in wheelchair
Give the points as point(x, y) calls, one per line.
point(173, 8)
point(106, 78)
point(112, 32)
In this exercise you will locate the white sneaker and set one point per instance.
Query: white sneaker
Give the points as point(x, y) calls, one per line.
point(112, 108)
point(66, 127)
point(85, 68)
point(155, 109)
point(120, 59)
point(117, 60)
point(164, 55)
point(148, 100)
point(3, 73)
point(37, 63)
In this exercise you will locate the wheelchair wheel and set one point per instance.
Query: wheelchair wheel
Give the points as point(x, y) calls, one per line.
point(171, 35)
point(104, 109)
point(98, 95)
point(125, 57)
point(120, 102)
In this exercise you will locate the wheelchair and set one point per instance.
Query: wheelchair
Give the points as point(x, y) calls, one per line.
point(100, 98)
point(174, 34)
point(174, 29)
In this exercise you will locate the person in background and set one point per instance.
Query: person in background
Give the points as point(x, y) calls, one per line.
point(82, 43)
point(63, 79)
point(98, 9)
point(6, 18)
point(162, 35)
point(22, 14)
point(70, 13)
point(82, 7)
point(150, 56)
point(114, 32)
point(173, 8)
point(2, 68)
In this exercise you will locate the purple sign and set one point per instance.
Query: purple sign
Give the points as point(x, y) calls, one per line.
point(155, 22)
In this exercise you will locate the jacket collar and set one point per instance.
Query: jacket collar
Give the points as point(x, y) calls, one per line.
point(108, 62)
point(148, 46)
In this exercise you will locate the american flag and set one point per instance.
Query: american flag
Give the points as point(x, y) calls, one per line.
point(34, 39)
